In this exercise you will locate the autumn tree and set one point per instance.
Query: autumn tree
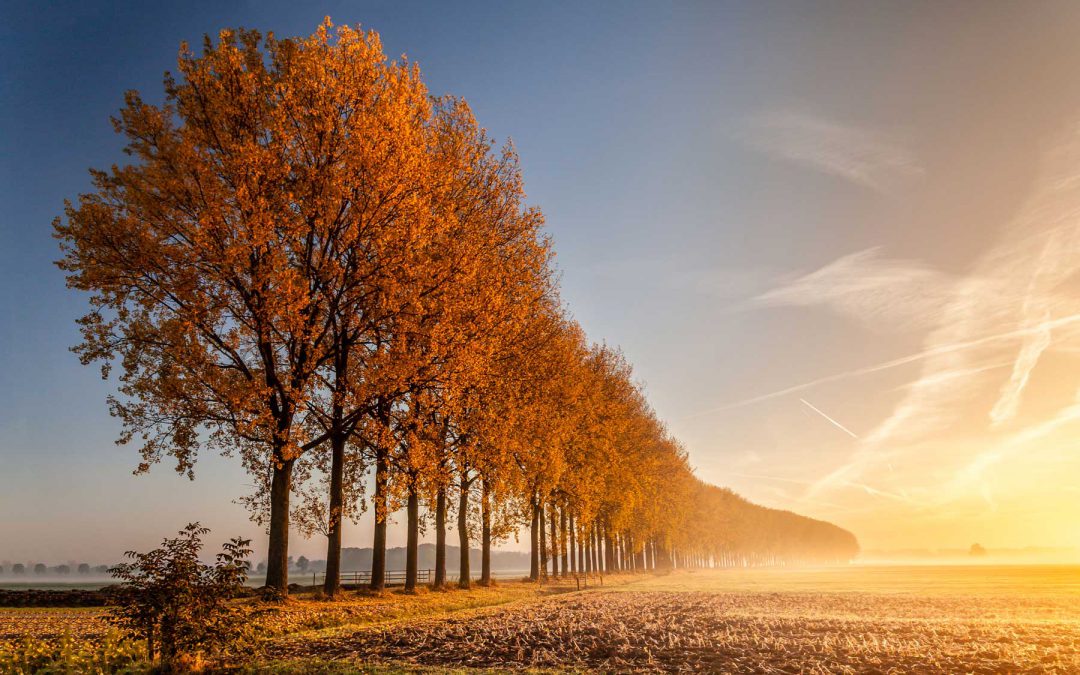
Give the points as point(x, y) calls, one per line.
point(219, 260)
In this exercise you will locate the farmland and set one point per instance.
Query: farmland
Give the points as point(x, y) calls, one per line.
point(974, 619)
point(859, 619)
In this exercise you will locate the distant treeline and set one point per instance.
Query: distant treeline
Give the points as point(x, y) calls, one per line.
point(41, 569)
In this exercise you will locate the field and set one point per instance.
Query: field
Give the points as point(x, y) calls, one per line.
point(861, 619)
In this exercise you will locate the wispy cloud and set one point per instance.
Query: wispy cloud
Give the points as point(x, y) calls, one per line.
point(1033, 346)
point(976, 403)
point(836, 424)
point(866, 157)
point(937, 377)
point(882, 293)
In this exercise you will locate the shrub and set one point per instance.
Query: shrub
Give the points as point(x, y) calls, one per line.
point(177, 604)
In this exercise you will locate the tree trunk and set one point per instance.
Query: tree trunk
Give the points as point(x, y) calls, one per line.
point(609, 549)
point(534, 545)
point(332, 582)
point(574, 566)
point(597, 551)
point(412, 539)
point(554, 542)
point(485, 535)
point(590, 550)
point(463, 533)
point(150, 649)
point(277, 558)
point(541, 526)
point(440, 539)
point(378, 553)
point(565, 544)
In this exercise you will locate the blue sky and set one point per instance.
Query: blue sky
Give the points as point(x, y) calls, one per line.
point(746, 197)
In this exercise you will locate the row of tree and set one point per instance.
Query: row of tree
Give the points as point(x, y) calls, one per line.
point(316, 266)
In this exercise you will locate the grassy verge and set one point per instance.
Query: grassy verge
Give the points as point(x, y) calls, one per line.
point(303, 620)
point(77, 639)
point(303, 612)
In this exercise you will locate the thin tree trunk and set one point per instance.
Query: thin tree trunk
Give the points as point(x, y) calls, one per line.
point(412, 540)
point(591, 553)
point(485, 534)
point(378, 553)
point(463, 532)
point(277, 558)
point(579, 536)
point(332, 581)
point(609, 549)
point(597, 550)
point(564, 543)
point(534, 545)
point(554, 542)
point(440, 539)
point(574, 567)
point(541, 525)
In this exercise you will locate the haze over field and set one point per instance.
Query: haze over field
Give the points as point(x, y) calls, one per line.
point(841, 244)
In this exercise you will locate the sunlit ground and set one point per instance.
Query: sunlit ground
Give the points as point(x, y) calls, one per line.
point(983, 619)
point(858, 619)
point(1057, 581)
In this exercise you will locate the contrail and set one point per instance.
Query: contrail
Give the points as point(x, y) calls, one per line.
point(839, 426)
point(903, 360)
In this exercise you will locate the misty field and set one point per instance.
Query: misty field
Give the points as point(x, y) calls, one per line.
point(878, 619)
point(860, 619)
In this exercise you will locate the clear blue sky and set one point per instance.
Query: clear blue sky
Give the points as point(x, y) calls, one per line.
point(694, 160)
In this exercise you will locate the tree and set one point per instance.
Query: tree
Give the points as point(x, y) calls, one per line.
point(177, 604)
point(219, 260)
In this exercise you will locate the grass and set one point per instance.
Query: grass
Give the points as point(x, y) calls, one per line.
point(66, 639)
point(854, 619)
point(39, 622)
point(302, 612)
